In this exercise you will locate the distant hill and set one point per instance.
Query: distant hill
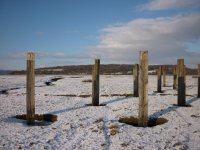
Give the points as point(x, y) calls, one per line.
point(4, 72)
point(118, 69)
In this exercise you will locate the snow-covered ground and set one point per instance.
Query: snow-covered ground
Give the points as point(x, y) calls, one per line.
point(88, 127)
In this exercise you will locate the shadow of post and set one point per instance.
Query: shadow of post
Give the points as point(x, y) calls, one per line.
point(115, 100)
point(106, 135)
point(75, 108)
point(170, 108)
point(67, 109)
point(192, 100)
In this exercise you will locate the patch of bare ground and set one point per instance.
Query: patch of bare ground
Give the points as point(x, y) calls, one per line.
point(40, 117)
point(151, 122)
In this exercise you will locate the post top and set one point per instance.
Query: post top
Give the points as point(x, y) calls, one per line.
point(97, 60)
point(143, 51)
point(181, 59)
point(30, 56)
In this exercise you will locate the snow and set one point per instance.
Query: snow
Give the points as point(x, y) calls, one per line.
point(88, 127)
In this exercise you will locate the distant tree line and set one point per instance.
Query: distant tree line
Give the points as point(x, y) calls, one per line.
point(118, 69)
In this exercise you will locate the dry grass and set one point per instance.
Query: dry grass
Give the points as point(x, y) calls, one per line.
point(124, 145)
point(114, 129)
point(89, 95)
point(167, 86)
point(114, 126)
point(87, 80)
point(103, 145)
point(104, 95)
point(68, 95)
point(129, 120)
point(125, 94)
point(159, 121)
point(84, 96)
point(165, 94)
point(94, 130)
point(195, 116)
point(98, 120)
point(71, 95)
point(76, 77)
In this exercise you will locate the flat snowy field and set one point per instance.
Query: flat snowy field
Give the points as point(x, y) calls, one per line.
point(88, 127)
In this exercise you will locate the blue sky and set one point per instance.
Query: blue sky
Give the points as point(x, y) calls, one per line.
point(74, 32)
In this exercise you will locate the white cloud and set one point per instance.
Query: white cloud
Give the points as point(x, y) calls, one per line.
point(166, 4)
point(164, 37)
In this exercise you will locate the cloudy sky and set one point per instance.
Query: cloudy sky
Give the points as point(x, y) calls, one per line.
point(76, 32)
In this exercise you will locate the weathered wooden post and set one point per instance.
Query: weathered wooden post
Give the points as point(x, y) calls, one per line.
point(198, 95)
point(143, 89)
point(30, 89)
point(181, 82)
point(164, 75)
point(175, 77)
point(135, 80)
point(159, 82)
point(95, 83)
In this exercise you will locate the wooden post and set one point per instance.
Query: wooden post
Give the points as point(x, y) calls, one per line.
point(181, 82)
point(95, 83)
point(143, 89)
point(175, 77)
point(198, 95)
point(30, 89)
point(164, 75)
point(135, 80)
point(159, 82)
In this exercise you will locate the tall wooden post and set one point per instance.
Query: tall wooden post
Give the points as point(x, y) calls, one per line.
point(95, 83)
point(175, 77)
point(135, 80)
point(30, 89)
point(159, 82)
point(198, 95)
point(164, 75)
point(181, 82)
point(143, 89)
